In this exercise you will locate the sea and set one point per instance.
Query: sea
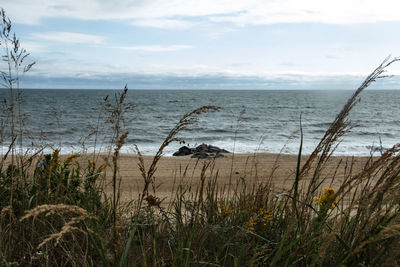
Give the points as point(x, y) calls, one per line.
point(249, 121)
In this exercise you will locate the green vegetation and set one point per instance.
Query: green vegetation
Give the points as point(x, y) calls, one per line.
point(56, 212)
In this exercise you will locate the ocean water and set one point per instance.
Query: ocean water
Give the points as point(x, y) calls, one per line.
point(249, 121)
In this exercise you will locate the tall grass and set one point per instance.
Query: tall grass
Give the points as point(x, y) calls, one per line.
point(55, 211)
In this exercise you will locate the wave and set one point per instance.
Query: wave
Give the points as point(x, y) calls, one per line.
point(324, 125)
point(275, 115)
point(374, 133)
point(377, 148)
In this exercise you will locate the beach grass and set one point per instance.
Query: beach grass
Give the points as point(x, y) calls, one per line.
point(62, 210)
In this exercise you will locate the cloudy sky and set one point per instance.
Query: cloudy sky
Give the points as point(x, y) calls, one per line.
point(206, 44)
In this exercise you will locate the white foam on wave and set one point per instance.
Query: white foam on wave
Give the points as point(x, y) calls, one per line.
point(238, 147)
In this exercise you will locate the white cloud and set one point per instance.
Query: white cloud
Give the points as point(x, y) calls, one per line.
point(154, 48)
point(216, 32)
point(335, 12)
point(33, 47)
point(76, 67)
point(153, 12)
point(70, 37)
point(164, 23)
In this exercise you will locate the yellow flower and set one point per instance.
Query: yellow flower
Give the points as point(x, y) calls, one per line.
point(328, 200)
point(265, 215)
point(266, 219)
point(226, 210)
point(251, 224)
point(262, 217)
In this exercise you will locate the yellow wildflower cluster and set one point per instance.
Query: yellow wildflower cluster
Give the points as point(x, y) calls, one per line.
point(251, 224)
point(328, 200)
point(92, 166)
point(226, 210)
point(262, 217)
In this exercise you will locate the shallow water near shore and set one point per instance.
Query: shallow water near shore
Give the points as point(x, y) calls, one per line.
point(250, 121)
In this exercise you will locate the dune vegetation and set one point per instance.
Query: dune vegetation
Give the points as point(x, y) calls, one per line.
point(56, 211)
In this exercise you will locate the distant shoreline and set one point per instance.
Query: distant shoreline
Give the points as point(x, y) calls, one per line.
point(206, 89)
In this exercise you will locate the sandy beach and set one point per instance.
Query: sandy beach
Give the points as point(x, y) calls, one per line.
point(248, 168)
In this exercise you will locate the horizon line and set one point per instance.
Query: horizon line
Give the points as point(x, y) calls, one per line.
point(208, 89)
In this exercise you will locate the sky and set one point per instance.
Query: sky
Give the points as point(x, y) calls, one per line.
point(206, 44)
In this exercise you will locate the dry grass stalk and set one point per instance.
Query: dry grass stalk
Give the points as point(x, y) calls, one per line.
point(185, 121)
point(337, 129)
point(60, 209)
point(79, 215)
point(341, 124)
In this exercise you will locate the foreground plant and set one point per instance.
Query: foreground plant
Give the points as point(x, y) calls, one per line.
point(328, 200)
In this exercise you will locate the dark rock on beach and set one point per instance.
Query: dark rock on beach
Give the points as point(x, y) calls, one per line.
point(183, 151)
point(204, 155)
point(214, 149)
point(202, 151)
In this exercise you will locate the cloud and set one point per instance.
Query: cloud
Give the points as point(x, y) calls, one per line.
point(332, 57)
point(154, 48)
point(70, 37)
point(216, 32)
point(164, 23)
point(294, 11)
point(33, 47)
point(214, 81)
point(153, 12)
